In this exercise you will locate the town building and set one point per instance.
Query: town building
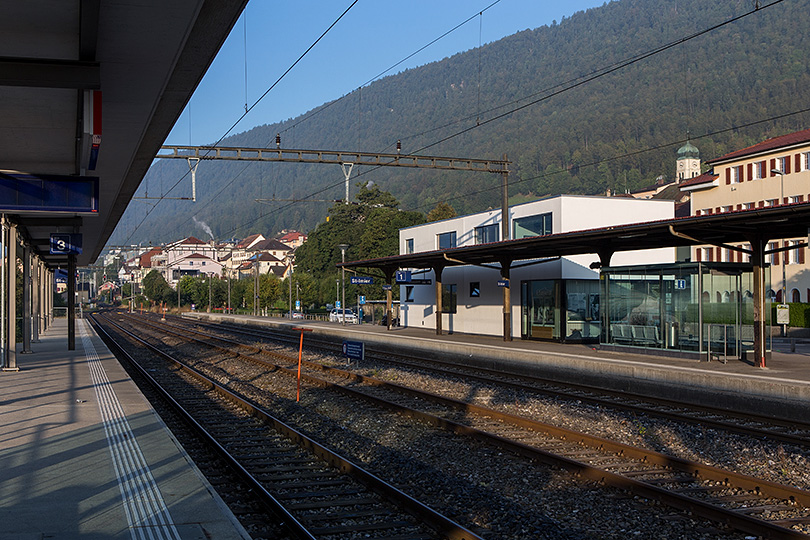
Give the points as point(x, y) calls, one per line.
point(770, 173)
point(553, 299)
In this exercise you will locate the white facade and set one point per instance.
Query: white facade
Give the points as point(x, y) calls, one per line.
point(565, 213)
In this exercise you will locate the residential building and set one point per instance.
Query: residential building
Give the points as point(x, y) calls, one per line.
point(292, 239)
point(556, 299)
point(773, 172)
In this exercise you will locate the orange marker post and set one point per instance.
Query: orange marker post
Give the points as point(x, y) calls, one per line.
point(300, 352)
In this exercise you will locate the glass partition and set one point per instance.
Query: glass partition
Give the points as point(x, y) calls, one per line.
point(680, 307)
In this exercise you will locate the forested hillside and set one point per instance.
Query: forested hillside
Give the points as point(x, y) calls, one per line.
point(619, 131)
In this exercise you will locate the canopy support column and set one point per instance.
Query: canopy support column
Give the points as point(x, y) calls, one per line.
point(507, 299)
point(758, 244)
point(10, 322)
point(71, 302)
point(389, 296)
point(437, 270)
point(26, 300)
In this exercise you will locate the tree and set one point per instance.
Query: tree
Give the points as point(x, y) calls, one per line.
point(441, 211)
point(155, 286)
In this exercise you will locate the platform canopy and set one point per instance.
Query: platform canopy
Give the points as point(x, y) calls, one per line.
point(732, 228)
point(92, 88)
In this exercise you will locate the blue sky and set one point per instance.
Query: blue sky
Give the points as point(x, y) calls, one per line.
point(370, 38)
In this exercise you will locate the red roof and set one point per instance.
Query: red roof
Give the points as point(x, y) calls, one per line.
point(146, 258)
point(197, 256)
point(771, 144)
point(292, 236)
point(247, 241)
point(192, 240)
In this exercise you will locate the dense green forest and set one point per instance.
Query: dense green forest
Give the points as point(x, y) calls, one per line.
point(619, 131)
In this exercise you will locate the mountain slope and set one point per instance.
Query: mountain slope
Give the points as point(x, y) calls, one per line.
point(585, 140)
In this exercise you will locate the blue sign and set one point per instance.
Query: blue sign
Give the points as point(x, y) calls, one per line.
point(386, 287)
point(680, 284)
point(66, 244)
point(402, 276)
point(361, 300)
point(353, 350)
point(25, 192)
point(298, 304)
point(337, 304)
point(503, 283)
point(60, 276)
point(360, 280)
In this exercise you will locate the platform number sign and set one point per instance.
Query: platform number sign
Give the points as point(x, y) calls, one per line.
point(680, 284)
point(66, 244)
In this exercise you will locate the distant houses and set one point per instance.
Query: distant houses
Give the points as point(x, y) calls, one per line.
point(191, 256)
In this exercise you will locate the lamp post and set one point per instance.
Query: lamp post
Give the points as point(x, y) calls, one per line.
point(784, 257)
point(343, 248)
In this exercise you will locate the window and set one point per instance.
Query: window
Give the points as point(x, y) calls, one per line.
point(806, 161)
point(409, 246)
point(782, 164)
point(475, 289)
point(796, 254)
point(748, 206)
point(446, 240)
point(448, 299)
point(736, 174)
point(532, 226)
point(486, 234)
point(796, 296)
point(724, 209)
point(796, 199)
point(773, 258)
point(708, 254)
point(759, 170)
point(409, 293)
point(771, 202)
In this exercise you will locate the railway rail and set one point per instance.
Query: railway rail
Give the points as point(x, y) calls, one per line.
point(747, 504)
point(315, 492)
point(772, 429)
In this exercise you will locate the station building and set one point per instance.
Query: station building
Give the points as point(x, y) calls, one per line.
point(557, 298)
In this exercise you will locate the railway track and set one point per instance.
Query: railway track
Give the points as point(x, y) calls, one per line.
point(751, 505)
point(313, 491)
point(775, 430)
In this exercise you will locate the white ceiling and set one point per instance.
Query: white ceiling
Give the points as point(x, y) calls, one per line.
point(146, 57)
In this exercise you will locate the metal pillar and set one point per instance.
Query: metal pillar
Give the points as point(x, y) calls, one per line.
point(36, 304)
point(389, 296)
point(438, 272)
point(758, 261)
point(507, 300)
point(505, 200)
point(26, 300)
point(71, 302)
point(10, 324)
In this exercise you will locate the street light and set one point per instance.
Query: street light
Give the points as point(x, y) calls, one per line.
point(784, 257)
point(343, 248)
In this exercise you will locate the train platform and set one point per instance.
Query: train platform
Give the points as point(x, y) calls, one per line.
point(84, 455)
point(780, 390)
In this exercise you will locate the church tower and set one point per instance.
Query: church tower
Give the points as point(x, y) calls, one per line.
point(688, 163)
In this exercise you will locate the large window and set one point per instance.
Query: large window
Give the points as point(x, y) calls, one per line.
point(759, 170)
point(446, 240)
point(449, 298)
point(409, 246)
point(486, 234)
point(539, 225)
point(736, 174)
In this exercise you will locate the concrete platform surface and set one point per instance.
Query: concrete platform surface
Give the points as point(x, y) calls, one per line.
point(782, 390)
point(83, 454)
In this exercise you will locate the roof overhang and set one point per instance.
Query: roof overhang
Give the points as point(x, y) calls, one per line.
point(146, 58)
point(789, 221)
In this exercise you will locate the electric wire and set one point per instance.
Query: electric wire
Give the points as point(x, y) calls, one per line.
point(560, 88)
point(330, 104)
point(247, 110)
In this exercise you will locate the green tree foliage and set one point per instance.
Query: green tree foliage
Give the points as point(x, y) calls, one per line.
point(441, 211)
point(155, 286)
point(585, 140)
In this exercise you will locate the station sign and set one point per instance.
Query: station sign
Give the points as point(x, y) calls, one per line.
point(402, 276)
point(503, 283)
point(386, 287)
point(26, 192)
point(66, 244)
point(361, 280)
point(680, 284)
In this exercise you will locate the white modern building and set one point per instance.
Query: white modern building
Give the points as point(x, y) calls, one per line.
point(556, 299)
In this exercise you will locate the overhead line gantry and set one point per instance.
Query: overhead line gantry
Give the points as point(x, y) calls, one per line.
point(347, 160)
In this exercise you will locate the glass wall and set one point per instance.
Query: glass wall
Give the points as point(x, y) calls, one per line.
point(561, 310)
point(681, 307)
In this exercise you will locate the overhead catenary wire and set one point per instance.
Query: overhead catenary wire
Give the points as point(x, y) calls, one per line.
point(560, 88)
point(247, 110)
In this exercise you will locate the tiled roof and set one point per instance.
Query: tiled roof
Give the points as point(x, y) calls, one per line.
point(790, 139)
point(249, 240)
point(270, 245)
point(192, 240)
